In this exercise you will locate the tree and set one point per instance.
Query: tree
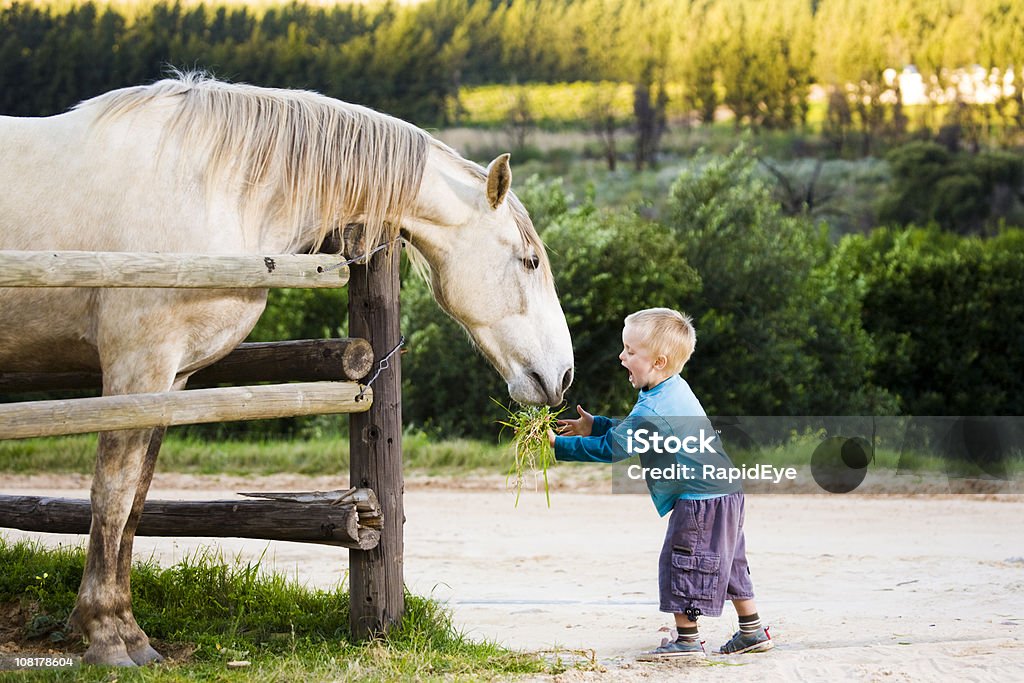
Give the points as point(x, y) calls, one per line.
point(765, 61)
point(647, 63)
point(775, 335)
point(696, 55)
point(604, 122)
point(854, 48)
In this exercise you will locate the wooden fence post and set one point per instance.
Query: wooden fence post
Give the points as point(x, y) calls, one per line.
point(376, 577)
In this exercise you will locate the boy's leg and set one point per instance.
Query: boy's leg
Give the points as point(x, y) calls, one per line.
point(682, 532)
point(682, 621)
point(745, 607)
point(752, 636)
point(686, 628)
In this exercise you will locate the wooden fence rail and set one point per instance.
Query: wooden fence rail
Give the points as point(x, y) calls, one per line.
point(141, 411)
point(376, 578)
point(133, 269)
point(351, 518)
point(305, 360)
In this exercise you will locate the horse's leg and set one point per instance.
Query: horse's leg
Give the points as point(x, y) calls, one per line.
point(141, 348)
point(135, 639)
point(124, 467)
point(103, 598)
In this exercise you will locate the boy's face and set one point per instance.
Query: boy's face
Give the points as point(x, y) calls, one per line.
point(645, 366)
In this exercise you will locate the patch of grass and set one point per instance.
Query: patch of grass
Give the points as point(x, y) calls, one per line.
point(215, 611)
point(53, 454)
point(552, 105)
point(326, 454)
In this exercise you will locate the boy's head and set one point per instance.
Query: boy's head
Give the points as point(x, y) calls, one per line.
point(656, 342)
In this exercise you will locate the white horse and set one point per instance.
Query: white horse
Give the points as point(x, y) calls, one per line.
point(196, 165)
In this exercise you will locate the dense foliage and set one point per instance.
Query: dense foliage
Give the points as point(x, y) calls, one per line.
point(960, 192)
point(915, 321)
point(757, 59)
point(946, 315)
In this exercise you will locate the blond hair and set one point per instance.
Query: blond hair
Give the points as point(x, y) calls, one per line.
point(668, 333)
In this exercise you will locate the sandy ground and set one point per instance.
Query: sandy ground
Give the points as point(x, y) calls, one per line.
point(866, 588)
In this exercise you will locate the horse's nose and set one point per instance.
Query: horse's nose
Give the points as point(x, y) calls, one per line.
point(551, 393)
point(558, 394)
point(566, 381)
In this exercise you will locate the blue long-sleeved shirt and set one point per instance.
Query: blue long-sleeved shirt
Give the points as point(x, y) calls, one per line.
point(668, 409)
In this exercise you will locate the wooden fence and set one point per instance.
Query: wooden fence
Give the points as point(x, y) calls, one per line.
point(367, 518)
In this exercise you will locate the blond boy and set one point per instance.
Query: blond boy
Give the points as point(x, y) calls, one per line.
point(703, 559)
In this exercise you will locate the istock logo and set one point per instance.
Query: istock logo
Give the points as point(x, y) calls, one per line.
point(643, 441)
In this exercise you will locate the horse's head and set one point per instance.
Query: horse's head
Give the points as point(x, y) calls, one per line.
point(489, 272)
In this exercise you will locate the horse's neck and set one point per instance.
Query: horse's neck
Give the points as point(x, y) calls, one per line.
point(443, 203)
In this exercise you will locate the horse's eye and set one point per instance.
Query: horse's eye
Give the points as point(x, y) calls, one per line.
point(531, 262)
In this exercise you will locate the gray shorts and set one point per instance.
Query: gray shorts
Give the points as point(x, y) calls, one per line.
point(704, 559)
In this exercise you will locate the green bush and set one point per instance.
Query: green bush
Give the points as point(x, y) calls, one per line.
point(946, 315)
point(964, 193)
point(775, 333)
point(447, 385)
point(609, 263)
point(606, 265)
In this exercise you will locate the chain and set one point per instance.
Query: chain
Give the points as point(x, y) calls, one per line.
point(385, 362)
point(383, 365)
point(364, 257)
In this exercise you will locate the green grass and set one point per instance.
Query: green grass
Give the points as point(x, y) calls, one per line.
point(205, 612)
point(321, 455)
point(328, 455)
point(798, 451)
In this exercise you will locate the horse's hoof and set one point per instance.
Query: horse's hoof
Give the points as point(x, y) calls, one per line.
point(146, 655)
point(108, 657)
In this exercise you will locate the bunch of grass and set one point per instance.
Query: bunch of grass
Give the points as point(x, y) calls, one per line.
point(531, 449)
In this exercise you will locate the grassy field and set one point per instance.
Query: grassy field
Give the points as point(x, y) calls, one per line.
point(323, 455)
point(205, 612)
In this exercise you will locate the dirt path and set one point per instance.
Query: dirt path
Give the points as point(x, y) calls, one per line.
point(856, 588)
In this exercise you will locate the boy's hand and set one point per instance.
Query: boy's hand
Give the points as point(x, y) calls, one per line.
point(551, 438)
point(581, 426)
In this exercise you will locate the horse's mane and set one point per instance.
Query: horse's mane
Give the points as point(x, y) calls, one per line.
point(301, 157)
point(310, 160)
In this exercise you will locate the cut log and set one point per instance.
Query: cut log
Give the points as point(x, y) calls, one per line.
point(304, 360)
point(351, 518)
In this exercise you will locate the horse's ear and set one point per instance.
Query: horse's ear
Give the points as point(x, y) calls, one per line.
point(499, 179)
